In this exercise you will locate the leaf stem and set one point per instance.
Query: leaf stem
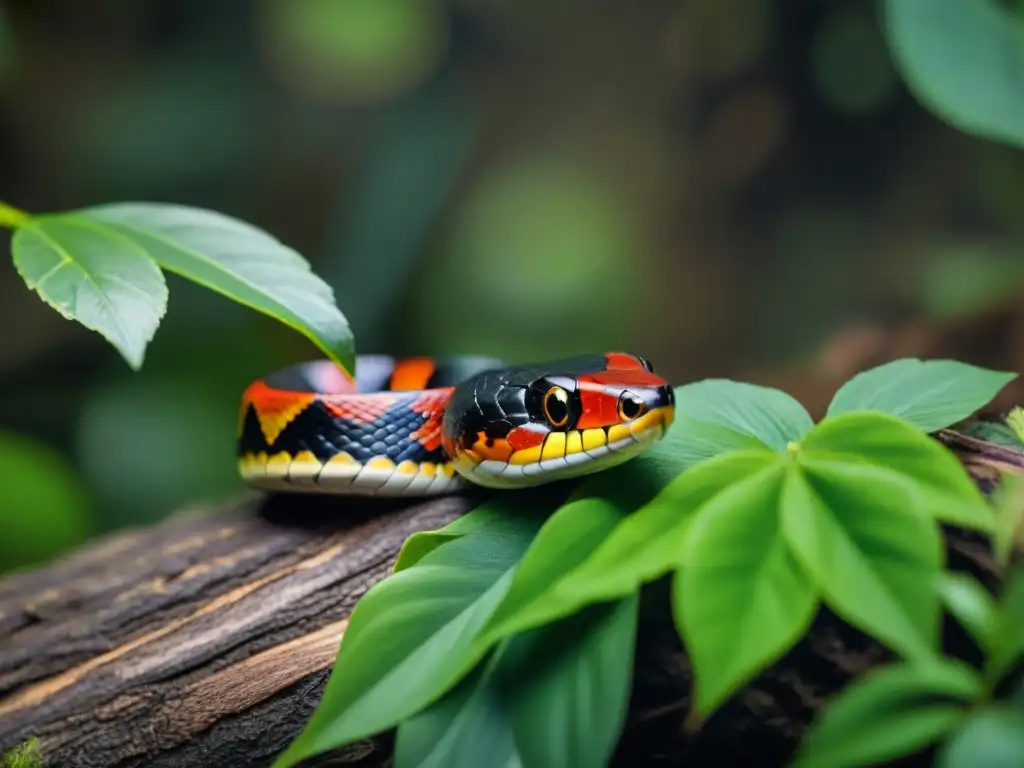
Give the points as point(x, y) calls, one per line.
point(12, 217)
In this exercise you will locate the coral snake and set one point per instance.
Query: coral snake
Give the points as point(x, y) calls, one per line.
point(423, 426)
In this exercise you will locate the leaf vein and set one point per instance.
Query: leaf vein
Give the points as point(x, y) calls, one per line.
point(104, 299)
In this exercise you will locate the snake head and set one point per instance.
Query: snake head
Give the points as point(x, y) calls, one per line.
point(530, 424)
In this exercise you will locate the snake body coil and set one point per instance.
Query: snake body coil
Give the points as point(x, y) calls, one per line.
point(423, 427)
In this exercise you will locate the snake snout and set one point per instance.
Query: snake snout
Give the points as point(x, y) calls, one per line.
point(660, 397)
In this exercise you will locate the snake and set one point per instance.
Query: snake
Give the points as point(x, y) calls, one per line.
point(427, 426)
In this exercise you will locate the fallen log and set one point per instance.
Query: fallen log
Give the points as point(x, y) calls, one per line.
point(206, 640)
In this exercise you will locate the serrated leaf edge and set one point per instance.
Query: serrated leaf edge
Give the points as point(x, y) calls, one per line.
point(31, 226)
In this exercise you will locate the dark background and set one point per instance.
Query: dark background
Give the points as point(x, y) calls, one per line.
point(716, 184)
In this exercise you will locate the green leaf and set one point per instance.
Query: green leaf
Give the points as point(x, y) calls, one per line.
point(95, 276)
point(467, 728)
point(568, 538)
point(421, 544)
point(556, 696)
point(770, 415)
point(687, 442)
point(1007, 646)
point(971, 605)
point(993, 737)
point(410, 638)
point(1009, 514)
point(568, 701)
point(702, 440)
point(874, 558)
point(1015, 423)
point(403, 660)
point(741, 600)
point(235, 259)
point(939, 479)
point(889, 713)
point(643, 546)
point(930, 394)
point(492, 520)
point(600, 503)
point(963, 60)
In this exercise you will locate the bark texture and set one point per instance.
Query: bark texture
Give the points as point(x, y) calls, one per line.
point(206, 641)
point(203, 641)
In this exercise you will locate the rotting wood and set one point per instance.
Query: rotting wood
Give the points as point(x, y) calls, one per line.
point(206, 641)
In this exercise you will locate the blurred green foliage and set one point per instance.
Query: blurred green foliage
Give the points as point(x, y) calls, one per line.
point(556, 238)
point(359, 50)
point(965, 60)
point(713, 183)
point(56, 509)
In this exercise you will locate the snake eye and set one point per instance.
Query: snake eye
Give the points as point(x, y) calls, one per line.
point(556, 406)
point(630, 406)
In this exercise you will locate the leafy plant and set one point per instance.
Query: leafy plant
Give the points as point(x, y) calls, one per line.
point(906, 707)
point(562, 669)
point(102, 267)
point(758, 515)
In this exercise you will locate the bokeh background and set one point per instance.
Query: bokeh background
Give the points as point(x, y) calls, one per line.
point(720, 185)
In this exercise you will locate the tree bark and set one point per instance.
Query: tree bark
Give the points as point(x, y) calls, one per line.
point(202, 641)
point(206, 641)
